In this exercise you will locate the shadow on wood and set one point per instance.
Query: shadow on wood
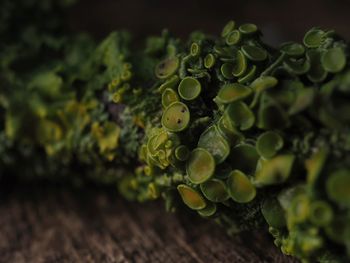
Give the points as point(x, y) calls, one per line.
point(48, 224)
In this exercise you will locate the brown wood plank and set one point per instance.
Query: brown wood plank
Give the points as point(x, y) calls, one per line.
point(49, 225)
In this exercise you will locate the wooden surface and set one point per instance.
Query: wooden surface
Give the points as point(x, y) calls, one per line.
point(49, 224)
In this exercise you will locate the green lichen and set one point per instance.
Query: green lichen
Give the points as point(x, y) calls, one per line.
point(245, 134)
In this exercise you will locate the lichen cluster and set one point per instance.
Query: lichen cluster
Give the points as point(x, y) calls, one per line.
point(244, 127)
point(240, 132)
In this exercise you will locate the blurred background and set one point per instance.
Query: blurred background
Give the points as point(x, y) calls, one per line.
point(280, 20)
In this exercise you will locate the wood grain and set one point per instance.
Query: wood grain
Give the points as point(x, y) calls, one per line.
point(52, 224)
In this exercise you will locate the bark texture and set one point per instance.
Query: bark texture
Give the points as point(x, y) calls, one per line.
point(49, 224)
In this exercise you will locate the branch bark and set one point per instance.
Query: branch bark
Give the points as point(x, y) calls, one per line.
point(47, 224)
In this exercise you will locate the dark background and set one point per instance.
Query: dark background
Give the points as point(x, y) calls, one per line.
point(280, 20)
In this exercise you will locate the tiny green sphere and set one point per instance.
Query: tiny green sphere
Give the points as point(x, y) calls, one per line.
point(189, 88)
point(314, 38)
point(254, 53)
point(248, 29)
point(167, 67)
point(214, 190)
point(338, 187)
point(233, 38)
point(292, 49)
point(209, 61)
point(269, 143)
point(126, 75)
point(228, 28)
point(240, 188)
point(233, 92)
point(200, 166)
point(182, 152)
point(195, 49)
point(176, 117)
point(321, 213)
point(168, 97)
point(191, 197)
point(334, 60)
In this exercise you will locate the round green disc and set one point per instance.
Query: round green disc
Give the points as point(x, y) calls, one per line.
point(299, 209)
point(321, 213)
point(268, 144)
point(248, 28)
point(189, 88)
point(226, 70)
point(233, 38)
point(176, 117)
point(240, 188)
point(209, 210)
point(214, 190)
point(182, 153)
point(215, 143)
point(333, 60)
point(169, 96)
point(228, 28)
point(169, 83)
point(293, 49)
point(274, 171)
point(248, 77)
point(167, 67)
point(254, 53)
point(191, 197)
point(195, 49)
point(273, 213)
point(200, 166)
point(337, 187)
point(240, 65)
point(209, 61)
point(314, 38)
point(316, 73)
point(297, 67)
point(233, 92)
point(263, 83)
point(230, 132)
point(240, 115)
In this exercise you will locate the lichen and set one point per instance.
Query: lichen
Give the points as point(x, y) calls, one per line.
point(243, 133)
